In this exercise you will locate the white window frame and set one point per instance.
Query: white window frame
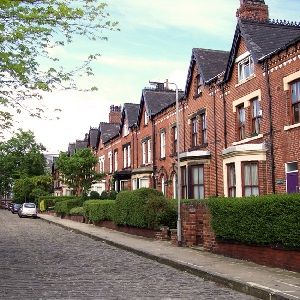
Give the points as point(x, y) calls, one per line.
point(146, 118)
point(125, 128)
point(125, 157)
point(101, 163)
point(144, 152)
point(116, 161)
point(163, 144)
point(128, 156)
point(110, 161)
point(249, 62)
point(149, 157)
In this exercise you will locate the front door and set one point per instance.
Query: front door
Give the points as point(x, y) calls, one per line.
point(292, 182)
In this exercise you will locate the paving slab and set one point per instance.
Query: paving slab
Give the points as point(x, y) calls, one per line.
point(253, 279)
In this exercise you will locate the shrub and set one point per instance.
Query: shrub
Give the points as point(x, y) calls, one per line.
point(77, 211)
point(143, 208)
point(63, 207)
point(99, 210)
point(112, 195)
point(104, 195)
point(94, 195)
point(270, 219)
point(49, 201)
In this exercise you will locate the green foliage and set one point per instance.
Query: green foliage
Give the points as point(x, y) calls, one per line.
point(99, 210)
point(104, 195)
point(20, 156)
point(77, 211)
point(144, 208)
point(63, 207)
point(94, 195)
point(264, 220)
point(31, 33)
point(112, 195)
point(47, 202)
point(78, 170)
point(29, 189)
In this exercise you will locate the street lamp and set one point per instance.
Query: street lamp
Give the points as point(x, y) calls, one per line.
point(178, 159)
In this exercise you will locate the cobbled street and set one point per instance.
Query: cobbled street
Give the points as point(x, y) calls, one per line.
point(43, 261)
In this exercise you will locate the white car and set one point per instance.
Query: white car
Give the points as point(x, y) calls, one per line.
point(27, 210)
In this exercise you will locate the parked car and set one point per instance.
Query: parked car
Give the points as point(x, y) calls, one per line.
point(15, 207)
point(27, 210)
point(10, 206)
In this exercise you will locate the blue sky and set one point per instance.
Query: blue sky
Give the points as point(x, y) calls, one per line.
point(155, 42)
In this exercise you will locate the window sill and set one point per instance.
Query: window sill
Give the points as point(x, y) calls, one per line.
point(244, 141)
point(245, 80)
point(289, 127)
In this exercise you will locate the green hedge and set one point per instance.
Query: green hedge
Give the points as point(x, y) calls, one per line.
point(46, 202)
point(266, 220)
point(144, 208)
point(77, 211)
point(99, 210)
point(63, 207)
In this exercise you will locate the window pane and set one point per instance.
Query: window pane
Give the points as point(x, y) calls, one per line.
point(247, 191)
point(254, 177)
point(195, 176)
point(255, 191)
point(247, 174)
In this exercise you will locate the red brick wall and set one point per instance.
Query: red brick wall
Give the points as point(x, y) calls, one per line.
point(197, 230)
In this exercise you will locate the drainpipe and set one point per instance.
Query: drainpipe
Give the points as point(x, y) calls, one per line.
point(215, 137)
point(153, 152)
point(224, 117)
point(271, 129)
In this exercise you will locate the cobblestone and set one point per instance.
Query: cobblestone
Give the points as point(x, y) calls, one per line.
point(43, 261)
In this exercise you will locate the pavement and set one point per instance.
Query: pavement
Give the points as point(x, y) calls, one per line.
point(247, 277)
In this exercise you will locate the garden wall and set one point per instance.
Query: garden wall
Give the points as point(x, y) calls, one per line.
point(196, 230)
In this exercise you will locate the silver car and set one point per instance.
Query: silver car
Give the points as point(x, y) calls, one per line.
point(27, 210)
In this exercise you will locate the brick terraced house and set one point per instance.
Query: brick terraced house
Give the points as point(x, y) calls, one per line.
point(239, 120)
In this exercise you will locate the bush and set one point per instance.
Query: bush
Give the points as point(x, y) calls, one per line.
point(63, 207)
point(94, 195)
point(265, 220)
point(143, 208)
point(104, 195)
point(99, 210)
point(112, 195)
point(49, 201)
point(77, 211)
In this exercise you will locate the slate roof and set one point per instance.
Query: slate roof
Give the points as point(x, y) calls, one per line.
point(71, 148)
point(210, 63)
point(93, 139)
point(108, 131)
point(81, 144)
point(263, 39)
point(158, 100)
point(131, 110)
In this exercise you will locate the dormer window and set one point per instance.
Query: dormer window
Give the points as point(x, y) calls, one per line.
point(199, 83)
point(245, 68)
point(146, 118)
point(125, 128)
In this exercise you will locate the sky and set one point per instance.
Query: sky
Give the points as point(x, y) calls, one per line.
point(154, 43)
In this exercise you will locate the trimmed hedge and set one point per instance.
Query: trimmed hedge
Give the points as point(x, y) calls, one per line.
point(144, 208)
point(46, 202)
point(77, 211)
point(63, 207)
point(99, 210)
point(265, 220)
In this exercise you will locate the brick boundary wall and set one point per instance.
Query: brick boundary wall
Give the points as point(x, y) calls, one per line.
point(196, 222)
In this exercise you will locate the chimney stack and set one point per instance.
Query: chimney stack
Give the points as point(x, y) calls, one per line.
point(255, 10)
point(115, 114)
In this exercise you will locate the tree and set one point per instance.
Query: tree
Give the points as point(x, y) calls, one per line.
point(29, 189)
point(21, 156)
point(78, 170)
point(29, 30)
